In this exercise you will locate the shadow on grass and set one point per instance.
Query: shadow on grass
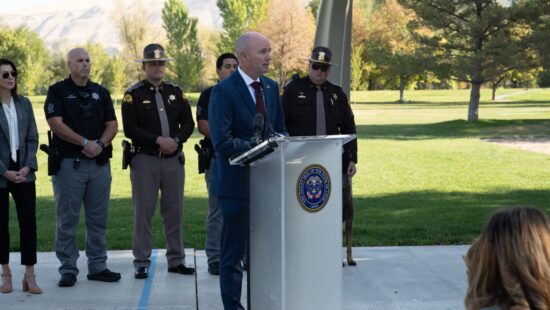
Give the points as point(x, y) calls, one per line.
point(489, 128)
point(406, 218)
point(120, 226)
point(424, 104)
point(433, 217)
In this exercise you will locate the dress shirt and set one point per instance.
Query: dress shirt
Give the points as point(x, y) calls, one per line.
point(248, 81)
point(11, 116)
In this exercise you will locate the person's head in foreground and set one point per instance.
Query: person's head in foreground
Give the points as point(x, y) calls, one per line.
point(509, 264)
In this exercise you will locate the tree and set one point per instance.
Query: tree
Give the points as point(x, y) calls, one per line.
point(181, 30)
point(27, 51)
point(357, 66)
point(394, 45)
point(115, 77)
point(238, 17)
point(99, 60)
point(314, 8)
point(290, 28)
point(363, 69)
point(470, 38)
point(135, 32)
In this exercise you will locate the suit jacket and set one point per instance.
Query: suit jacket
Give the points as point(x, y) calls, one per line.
point(231, 114)
point(28, 139)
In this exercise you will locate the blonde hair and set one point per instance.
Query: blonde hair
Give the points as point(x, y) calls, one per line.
point(509, 264)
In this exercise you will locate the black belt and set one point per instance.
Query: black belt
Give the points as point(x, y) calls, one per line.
point(154, 152)
point(72, 154)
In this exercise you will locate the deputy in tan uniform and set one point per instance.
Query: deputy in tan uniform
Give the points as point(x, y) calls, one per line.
point(157, 118)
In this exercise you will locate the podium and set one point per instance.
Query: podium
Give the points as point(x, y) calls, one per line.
point(296, 222)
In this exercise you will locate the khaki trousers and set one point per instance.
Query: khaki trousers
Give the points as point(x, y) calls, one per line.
point(148, 175)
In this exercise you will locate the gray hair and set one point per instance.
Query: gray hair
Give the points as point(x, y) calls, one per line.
point(242, 43)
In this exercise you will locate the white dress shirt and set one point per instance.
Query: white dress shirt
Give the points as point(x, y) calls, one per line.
point(248, 81)
point(11, 116)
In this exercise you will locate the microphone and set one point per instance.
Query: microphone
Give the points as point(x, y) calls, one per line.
point(258, 123)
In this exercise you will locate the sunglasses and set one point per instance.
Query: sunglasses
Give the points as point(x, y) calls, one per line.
point(6, 75)
point(318, 66)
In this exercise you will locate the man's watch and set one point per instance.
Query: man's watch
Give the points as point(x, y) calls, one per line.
point(100, 143)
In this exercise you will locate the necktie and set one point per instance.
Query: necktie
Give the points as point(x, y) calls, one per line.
point(260, 105)
point(321, 122)
point(162, 114)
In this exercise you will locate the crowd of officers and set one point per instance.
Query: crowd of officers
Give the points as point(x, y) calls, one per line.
point(157, 120)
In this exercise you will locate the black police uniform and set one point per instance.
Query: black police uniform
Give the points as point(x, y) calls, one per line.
point(84, 109)
point(299, 104)
point(80, 180)
point(202, 112)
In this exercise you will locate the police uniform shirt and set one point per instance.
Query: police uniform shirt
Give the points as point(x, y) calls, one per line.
point(202, 110)
point(84, 109)
point(140, 116)
point(299, 104)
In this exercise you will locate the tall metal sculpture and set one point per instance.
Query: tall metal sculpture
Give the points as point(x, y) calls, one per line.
point(334, 31)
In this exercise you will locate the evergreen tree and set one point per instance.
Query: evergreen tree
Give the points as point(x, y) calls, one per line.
point(183, 45)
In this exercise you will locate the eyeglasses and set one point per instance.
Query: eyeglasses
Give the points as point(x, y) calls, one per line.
point(318, 66)
point(7, 74)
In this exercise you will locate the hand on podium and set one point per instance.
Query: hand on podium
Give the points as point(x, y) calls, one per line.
point(255, 140)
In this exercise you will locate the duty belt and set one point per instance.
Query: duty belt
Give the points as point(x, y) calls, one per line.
point(155, 152)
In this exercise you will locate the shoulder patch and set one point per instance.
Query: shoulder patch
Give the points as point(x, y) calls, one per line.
point(295, 77)
point(127, 99)
point(135, 86)
point(173, 85)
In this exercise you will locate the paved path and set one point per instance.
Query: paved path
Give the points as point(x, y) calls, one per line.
point(503, 97)
point(412, 278)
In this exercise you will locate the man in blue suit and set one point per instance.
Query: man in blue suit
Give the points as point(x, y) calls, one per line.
point(233, 105)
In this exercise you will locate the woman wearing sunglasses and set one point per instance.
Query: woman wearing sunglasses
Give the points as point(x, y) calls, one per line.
point(18, 146)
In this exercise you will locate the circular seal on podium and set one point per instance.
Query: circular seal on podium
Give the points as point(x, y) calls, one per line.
point(313, 188)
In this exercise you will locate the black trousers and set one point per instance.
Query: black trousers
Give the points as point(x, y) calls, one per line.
point(24, 196)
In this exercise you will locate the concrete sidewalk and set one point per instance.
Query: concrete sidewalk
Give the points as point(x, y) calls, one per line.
point(422, 278)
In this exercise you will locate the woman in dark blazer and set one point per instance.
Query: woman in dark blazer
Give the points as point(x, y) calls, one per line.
point(18, 146)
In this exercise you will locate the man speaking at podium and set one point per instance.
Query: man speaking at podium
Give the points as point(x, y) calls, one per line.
point(234, 104)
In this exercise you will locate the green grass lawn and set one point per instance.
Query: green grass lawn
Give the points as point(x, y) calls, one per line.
point(425, 176)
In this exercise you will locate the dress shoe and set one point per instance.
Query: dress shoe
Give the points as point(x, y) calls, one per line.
point(141, 273)
point(29, 284)
point(6, 283)
point(182, 269)
point(104, 276)
point(67, 280)
point(214, 269)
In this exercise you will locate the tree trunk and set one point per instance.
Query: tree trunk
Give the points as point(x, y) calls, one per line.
point(402, 80)
point(474, 102)
point(494, 96)
point(371, 84)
